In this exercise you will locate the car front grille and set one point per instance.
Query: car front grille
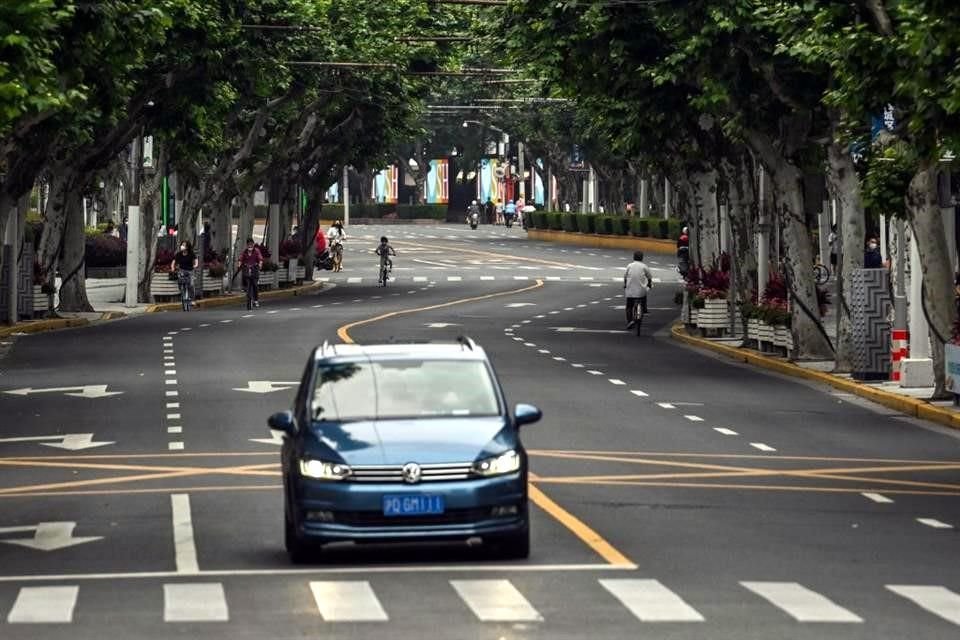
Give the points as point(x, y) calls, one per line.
point(444, 472)
point(377, 519)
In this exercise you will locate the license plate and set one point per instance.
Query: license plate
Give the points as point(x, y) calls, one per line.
point(412, 505)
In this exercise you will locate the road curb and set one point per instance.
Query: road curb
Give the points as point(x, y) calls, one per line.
point(224, 301)
point(653, 245)
point(53, 324)
point(908, 406)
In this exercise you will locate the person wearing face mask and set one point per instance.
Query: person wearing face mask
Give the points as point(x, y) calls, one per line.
point(183, 264)
point(872, 259)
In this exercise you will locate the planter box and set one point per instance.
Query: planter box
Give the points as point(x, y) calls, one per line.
point(301, 273)
point(753, 329)
point(40, 301)
point(210, 283)
point(765, 332)
point(161, 285)
point(283, 275)
point(694, 314)
point(714, 315)
point(268, 279)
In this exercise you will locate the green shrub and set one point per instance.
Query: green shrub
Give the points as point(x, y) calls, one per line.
point(674, 228)
point(422, 211)
point(540, 219)
point(604, 224)
point(640, 227)
point(585, 222)
point(621, 226)
point(568, 221)
point(662, 229)
point(555, 221)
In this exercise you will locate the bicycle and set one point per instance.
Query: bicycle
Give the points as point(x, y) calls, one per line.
point(638, 314)
point(250, 276)
point(185, 285)
point(820, 274)
point(336, 252)
point(384, 275)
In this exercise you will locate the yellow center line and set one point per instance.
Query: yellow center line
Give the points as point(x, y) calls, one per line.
point(576, 526)
point(344, 332)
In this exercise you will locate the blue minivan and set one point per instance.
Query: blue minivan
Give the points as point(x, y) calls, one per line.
point(403, 442)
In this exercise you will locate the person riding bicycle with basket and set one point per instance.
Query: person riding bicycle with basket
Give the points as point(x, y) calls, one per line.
point(251, 261)
point(637, 281)
point(183, 264)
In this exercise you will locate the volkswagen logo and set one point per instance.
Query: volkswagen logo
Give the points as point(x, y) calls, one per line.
point(411, 473)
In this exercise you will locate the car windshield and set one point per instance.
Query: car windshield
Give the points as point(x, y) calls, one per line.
point(403, 389)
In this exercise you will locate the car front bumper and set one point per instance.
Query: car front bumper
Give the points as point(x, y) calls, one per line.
point(353, 511)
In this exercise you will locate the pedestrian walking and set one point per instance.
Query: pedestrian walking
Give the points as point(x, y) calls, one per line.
point(834, 241)
point(872, 258)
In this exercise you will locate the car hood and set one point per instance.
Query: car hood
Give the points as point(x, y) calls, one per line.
point(424, 441)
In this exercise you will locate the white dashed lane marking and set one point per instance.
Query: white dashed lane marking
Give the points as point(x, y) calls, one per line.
point(933, 522)
point(761, 446)
point(725, 431)
point(692, 418)
point(877, 497)
point(639, 393)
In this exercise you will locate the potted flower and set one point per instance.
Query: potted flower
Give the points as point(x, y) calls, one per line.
point(163, 282)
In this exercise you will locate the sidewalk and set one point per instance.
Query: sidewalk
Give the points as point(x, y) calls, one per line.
point(114, 310)
point(912, 402)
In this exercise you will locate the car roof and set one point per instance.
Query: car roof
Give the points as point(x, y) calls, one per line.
point(460, 349)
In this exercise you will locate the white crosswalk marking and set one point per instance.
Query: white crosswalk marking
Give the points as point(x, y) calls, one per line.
point(44, 605)
point(937, 600)
point(495, 601)
point(802, 604)
point(454, 278)
point(354, 280)
point(650, 601)
point(194, 602)
point(347, 601)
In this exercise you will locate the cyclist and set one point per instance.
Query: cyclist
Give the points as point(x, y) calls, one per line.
point(336, 235)
point(251, 261)
point(384, 250)
point(636, 283)
point(183, 263)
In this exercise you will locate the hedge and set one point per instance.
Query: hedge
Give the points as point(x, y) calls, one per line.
point(585, 222)
point(554, 221)
point(568, 221)
point(540, 220)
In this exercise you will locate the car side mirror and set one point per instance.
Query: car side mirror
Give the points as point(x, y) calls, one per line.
point(526, 414)
point(283, 422)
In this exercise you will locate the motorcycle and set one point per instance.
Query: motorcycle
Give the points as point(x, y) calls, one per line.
point(474, 220)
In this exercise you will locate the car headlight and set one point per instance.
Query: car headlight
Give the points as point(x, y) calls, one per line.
point(507, 462)
point(320, 470)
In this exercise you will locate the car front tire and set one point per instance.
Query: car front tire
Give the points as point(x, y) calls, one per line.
point(515, 546)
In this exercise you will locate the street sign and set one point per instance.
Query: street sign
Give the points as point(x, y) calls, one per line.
point(47, 536)
point(266, 386)
point(67, 441)
point(87, 391)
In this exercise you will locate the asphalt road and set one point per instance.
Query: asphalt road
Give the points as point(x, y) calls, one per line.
point(677, 495)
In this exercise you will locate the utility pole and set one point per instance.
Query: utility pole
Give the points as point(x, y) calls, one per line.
point(666, 198)
point(644, 197)
point(133, 222)
point(13, 239)
point(520, 168)
point(763, 238)
point(346, 196)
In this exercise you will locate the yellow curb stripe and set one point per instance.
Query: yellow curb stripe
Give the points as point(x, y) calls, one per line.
point(589, 537)
point(653, 245)
point(344, 332)
point(909, 406)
